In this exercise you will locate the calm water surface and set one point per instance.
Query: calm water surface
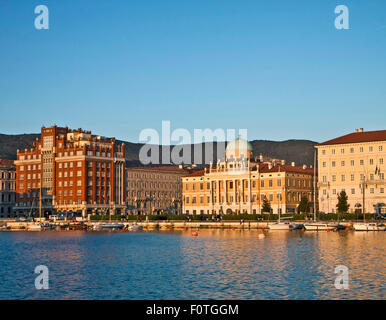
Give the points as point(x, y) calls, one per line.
point(219, 264)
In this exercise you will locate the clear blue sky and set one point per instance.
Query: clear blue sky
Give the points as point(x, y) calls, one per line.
point(277, 68)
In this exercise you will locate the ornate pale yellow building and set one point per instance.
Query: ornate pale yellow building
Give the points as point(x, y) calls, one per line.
point(348, 163)
point(238, 184)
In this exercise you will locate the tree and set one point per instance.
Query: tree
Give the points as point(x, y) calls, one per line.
point(342, 205)
point(266, 205)
point(304, 205)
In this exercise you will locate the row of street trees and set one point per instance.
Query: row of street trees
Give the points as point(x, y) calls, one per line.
point(304, 205)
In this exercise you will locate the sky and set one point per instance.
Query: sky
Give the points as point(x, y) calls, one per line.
point(279, 69)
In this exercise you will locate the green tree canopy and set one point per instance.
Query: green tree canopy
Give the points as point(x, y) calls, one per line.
point(342, 205)
point(266, 205)
point(304, 205)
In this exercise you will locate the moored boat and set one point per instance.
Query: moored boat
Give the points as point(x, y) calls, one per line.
point(295, 226)
point(111, 226)
point(134, 227)
point(280, 226)
point(369, 226)
point(34, 227)
point(316, 226)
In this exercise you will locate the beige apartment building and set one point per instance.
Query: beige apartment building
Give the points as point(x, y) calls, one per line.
point(353, 162)
point(239, 184)
point(154, 190)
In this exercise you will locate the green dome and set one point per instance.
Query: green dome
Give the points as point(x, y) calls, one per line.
point(239, 144)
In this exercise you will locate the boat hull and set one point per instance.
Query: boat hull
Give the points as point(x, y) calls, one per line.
point(319, 227)
point(369, 227)
point(279, 226)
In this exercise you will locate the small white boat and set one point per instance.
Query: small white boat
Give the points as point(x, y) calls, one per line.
point(134, 227)
point(370, 226)
point(279, 226)
point(319, 226)
point(34, 227)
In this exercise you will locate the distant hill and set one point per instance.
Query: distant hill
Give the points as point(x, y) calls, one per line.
point(299, 151)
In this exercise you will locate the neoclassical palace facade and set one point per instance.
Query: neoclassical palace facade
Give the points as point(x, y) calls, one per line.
point(238, 184)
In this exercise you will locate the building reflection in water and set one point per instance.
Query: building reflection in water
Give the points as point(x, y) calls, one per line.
point(218, 264)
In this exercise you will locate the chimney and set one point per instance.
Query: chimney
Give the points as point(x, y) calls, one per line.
point(270, 166)
point(293, 163)
point(304, 166)
point(283, 162)
point(361, 129)
point(356, 130)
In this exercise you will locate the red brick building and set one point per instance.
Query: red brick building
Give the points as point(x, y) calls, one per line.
point(71, 170)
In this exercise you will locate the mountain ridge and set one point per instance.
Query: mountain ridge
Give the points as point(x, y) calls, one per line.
point(300, 151)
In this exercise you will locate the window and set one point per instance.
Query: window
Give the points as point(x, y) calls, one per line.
point(333, 151)
point(79, 173)
point(380, 148)
point(333, 163)
point(323, 152)
point(333, 177)
point(361, 149)
point(371, 161)
point(352, 177)
point(381, 161)
point(353, 191)
point(343, 177)
point(352, 163)
point(370, 149)
point(351, 150)
point(186, 199)
point(342, 163)
point(324, 164)
point(342, 151)
point(262, 183)
point(361, 162)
